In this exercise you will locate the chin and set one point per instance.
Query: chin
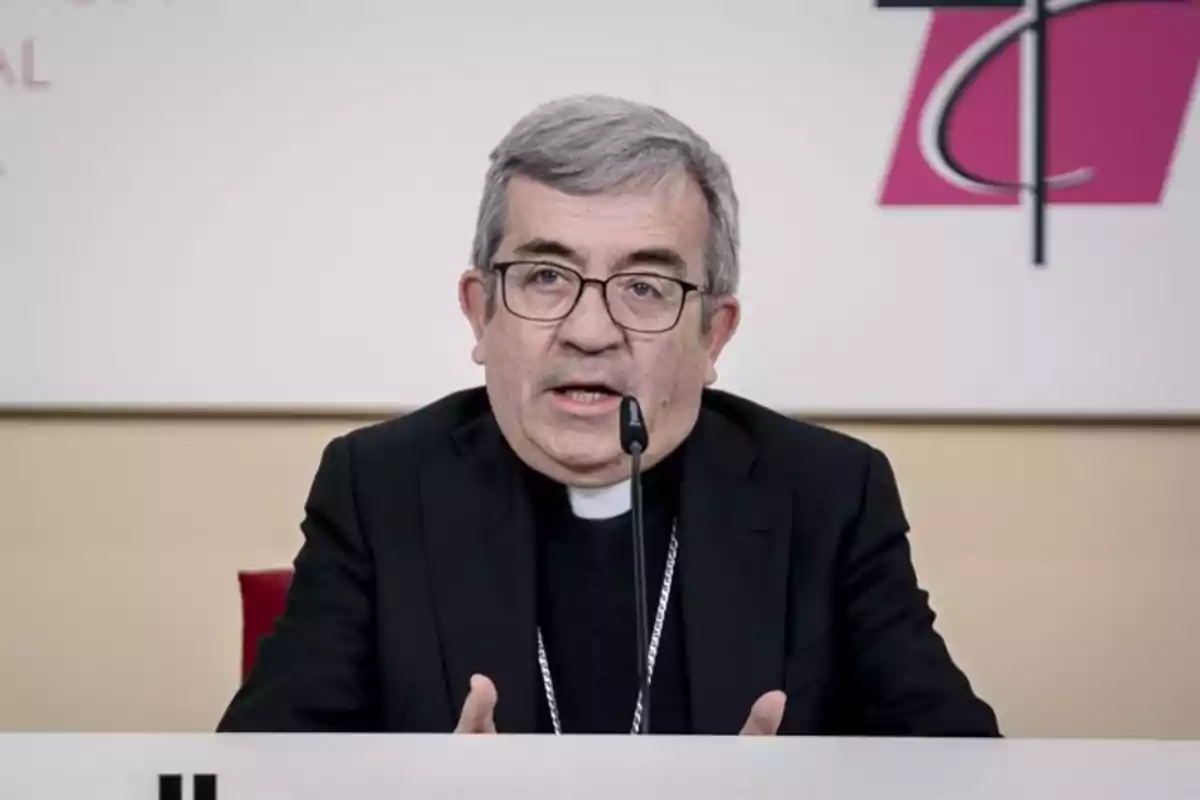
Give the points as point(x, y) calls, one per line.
point(582, 460)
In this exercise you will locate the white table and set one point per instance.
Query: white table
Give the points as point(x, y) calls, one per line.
point(294, 767)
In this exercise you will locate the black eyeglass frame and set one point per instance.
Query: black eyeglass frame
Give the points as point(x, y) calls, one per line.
point(502, 267)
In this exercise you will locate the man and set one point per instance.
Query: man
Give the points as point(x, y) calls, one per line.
point(469, 567)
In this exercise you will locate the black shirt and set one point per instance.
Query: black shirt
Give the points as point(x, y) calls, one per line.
point(587, 615)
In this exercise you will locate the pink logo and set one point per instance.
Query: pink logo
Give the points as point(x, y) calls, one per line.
point(1110, 86)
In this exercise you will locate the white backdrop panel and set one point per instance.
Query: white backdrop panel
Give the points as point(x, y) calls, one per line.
point(267, 203)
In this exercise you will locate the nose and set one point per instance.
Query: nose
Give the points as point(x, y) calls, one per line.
point(589, 327)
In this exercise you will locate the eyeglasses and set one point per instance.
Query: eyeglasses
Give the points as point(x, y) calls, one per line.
point(644, 302)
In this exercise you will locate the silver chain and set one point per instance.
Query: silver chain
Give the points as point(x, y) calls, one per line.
point(652, 652)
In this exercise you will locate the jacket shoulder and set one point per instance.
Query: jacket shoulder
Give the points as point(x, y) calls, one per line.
point(777, 434)
point(829, 474)
point(416, 435)
point(815, 459)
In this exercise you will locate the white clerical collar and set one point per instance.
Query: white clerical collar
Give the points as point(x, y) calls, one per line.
point(602, 502)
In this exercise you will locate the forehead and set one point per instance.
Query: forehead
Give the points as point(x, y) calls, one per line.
point(603, 231)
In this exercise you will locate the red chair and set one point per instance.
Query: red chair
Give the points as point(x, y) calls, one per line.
point(264, 597)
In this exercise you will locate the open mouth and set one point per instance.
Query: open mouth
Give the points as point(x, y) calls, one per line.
point(586, 393)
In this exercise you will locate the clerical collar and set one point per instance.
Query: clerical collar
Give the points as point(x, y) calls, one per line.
point(660, 484)
point(600, 502)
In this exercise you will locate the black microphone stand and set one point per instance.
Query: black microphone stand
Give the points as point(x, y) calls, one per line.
point(639, 584)
point(634, 440)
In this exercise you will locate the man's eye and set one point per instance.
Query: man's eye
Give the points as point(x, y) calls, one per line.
point(544, 277)
point(644, 289)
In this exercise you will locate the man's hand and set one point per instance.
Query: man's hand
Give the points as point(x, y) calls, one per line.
point(765, 715)
point(478, 711)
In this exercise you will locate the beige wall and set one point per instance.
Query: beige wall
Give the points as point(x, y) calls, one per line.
point(1064, 561)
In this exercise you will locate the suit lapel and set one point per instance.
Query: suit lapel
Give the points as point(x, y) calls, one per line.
point(480, 541)
point(733, 558)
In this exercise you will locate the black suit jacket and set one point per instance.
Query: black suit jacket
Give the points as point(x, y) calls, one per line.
point(417, 570)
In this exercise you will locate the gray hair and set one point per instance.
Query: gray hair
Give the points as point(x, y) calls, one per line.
point(592, 144)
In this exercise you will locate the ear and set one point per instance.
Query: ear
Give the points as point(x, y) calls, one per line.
point(472, 299)
point(727, 313)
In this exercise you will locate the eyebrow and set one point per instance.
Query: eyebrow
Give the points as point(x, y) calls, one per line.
point(648, 256)
point(551, 248)
point(655, 256)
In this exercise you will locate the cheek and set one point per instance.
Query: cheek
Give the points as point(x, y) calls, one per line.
point(673, 371)
point(516, 358)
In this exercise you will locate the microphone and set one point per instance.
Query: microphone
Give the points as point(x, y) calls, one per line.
point(634, 440)
point(633, 427)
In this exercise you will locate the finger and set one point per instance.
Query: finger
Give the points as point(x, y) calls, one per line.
point(478, 711)
point(490, 696)
point(766, 715)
